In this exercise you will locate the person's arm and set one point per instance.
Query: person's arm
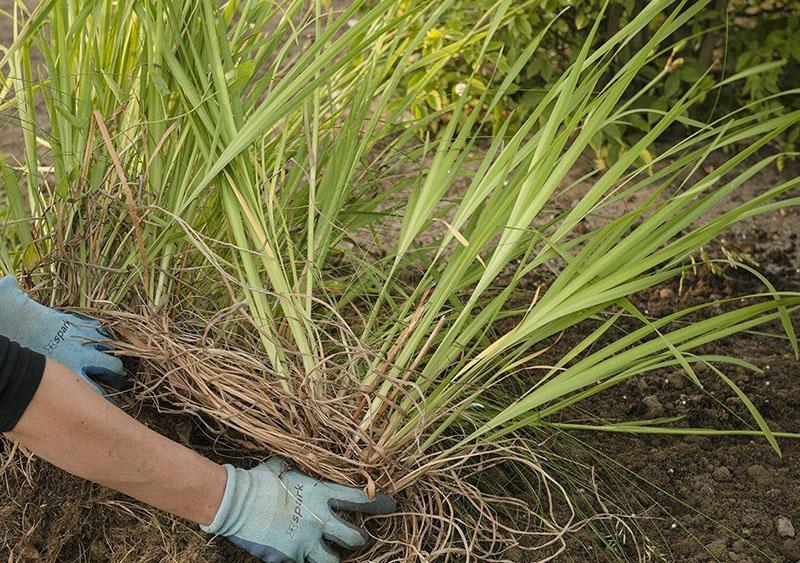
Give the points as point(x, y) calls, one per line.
point(271, 511)
point(72, 427)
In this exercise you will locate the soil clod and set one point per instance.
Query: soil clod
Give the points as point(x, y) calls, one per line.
point(784, 527)
point(654, 406)
point(759, 474)
point(722, 474)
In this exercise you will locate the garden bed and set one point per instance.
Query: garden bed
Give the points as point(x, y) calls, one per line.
point(696, 498)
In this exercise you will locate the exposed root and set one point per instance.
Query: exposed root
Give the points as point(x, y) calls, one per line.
point(451, 509)
point(455, 506)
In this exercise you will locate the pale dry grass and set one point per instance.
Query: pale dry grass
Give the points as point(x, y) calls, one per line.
point(242, 406)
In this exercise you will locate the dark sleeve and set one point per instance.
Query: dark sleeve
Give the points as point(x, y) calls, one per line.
point(20, 374)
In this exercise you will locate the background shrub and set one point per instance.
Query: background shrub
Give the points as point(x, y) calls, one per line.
point(733, 36)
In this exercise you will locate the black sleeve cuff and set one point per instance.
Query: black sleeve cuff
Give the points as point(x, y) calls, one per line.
point(21, 372)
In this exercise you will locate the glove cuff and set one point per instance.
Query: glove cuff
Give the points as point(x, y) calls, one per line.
point(249, 505)
point(8, 289)
point(7, 283)
point(218, 524)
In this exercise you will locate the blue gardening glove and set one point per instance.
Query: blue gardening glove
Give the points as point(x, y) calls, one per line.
point(281, 515)
point(68, 339)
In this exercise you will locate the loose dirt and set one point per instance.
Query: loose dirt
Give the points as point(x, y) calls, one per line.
point(721, 498)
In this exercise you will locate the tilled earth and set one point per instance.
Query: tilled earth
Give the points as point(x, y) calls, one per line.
point(711, 498)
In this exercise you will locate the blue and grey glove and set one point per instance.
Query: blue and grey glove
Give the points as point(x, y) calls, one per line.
point(72, 340)
point(281, 515)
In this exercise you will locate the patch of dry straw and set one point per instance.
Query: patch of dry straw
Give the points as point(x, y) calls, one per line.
point(219, 376)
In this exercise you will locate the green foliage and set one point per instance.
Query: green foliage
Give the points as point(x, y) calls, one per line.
point(728, 37)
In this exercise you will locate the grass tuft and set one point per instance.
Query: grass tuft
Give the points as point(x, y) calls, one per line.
point(309, 270)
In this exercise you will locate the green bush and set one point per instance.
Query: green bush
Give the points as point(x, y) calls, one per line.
point(734, 36)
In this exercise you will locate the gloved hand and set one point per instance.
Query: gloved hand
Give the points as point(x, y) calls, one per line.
point(69, 339)
point(281, 515)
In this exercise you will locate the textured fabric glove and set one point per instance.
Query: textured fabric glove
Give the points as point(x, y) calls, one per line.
point(281, 515)
point(69, 339)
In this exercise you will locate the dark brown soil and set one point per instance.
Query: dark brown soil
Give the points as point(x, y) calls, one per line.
point(47, 515)
point(700, 498)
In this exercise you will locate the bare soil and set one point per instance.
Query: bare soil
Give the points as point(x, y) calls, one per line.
point(720, 498)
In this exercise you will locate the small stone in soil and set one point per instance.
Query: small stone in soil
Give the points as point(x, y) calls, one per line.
point(654, 407)
point(666, 293)
point(722, 474)
point(759, 474)
point(784, 527)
